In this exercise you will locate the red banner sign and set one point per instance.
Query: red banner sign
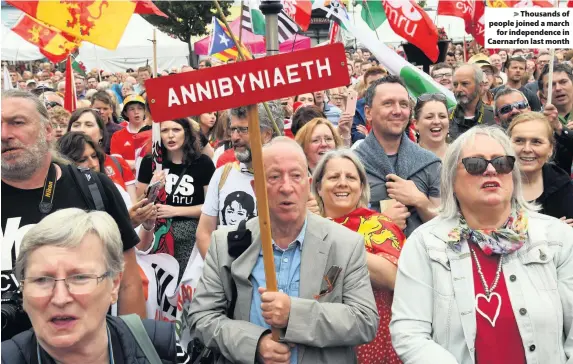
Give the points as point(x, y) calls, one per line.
point(245, 83)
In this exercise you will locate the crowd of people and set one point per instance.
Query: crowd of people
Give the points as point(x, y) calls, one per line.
point(402, 230)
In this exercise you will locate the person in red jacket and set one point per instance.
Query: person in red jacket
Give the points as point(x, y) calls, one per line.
point(122, 141)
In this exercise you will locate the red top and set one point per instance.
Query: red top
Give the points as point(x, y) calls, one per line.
point(228, 156)
point(111, 170)
point(122, 143)
point(490, 349)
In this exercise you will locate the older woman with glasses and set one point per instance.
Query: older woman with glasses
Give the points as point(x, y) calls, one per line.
point(316, 138)
point(70, 267)
point(431, 123)
point(341, 189)
point(489, 279)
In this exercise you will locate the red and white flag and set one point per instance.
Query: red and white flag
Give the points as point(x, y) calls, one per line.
point(411, 22)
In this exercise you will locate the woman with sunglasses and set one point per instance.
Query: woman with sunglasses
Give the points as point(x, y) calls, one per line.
point(543, 182)
point(431, 123)
point(489, 279)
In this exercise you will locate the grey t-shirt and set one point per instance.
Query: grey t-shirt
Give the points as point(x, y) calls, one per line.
point(427, 180)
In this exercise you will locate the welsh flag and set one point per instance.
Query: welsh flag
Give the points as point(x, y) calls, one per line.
point(407, 19)
point(417, 82)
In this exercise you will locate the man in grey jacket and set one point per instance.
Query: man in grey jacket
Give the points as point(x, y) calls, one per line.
point(320, 315)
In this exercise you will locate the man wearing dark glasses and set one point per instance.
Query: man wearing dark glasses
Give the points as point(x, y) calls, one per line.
point(471, 110)
point(509, 103)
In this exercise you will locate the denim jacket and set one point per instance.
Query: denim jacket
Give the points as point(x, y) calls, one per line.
point(433, 313)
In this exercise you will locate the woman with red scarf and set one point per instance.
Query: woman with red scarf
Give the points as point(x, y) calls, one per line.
point(342, 192)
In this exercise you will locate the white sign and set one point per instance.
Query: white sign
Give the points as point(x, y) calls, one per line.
point(528, 28)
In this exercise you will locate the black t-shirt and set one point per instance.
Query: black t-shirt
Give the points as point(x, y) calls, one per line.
point(190, 191)
point(20, 212)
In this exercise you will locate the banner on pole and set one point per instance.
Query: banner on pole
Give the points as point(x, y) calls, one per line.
point(245, 83)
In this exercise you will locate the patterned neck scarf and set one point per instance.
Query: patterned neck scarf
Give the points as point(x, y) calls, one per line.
point(505, 240)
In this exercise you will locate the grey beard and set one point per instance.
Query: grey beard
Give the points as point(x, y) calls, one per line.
point(244, 157)
point(470, 98)
point(29, 163)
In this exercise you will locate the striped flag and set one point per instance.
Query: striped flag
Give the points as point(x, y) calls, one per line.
point(6, 81)
point(246, 20)
point(287, 27)
point(254, 21)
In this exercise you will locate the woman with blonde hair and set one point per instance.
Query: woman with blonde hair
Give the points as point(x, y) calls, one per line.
point(316, 138)
point(544, 182)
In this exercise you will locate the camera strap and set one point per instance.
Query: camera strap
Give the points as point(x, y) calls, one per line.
point(46, 204)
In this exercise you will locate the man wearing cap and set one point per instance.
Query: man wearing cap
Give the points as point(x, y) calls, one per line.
point(488, 70)
point(31, 84)
point(122, 141)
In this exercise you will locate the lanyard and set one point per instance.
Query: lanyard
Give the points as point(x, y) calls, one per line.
point(109, 348)
point(47, 202)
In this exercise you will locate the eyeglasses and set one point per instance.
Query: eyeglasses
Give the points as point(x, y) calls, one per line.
point(478, 165)
point(51, 104)
point(436, 96)
point(40, 287)
point(326, 140)
point(240, 129)
point(59, 126)
point(505, 109)
point(439, 76)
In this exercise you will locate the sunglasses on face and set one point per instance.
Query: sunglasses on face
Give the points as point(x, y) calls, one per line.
point(505, 109)
point(436, 96)
point(478, 165)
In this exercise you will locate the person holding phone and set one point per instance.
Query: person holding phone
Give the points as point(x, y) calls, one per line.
point(186, 174)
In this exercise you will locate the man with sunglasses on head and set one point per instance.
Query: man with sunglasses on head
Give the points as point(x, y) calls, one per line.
point(470, 110)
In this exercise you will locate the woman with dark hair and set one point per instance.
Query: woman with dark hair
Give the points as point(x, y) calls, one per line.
point(186, 174)
point(103, 103)
point(238, 206)
point(431, 123)
point(89, 122)
point(303, 115)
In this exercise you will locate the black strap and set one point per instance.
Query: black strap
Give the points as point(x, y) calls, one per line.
point(47, 202)
point(237, 242)
point(90, 187)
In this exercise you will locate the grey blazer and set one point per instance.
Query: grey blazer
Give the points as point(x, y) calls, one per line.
point(325, 330)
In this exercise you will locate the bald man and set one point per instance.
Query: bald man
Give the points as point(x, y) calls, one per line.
point(306, 247)
point(470, 110)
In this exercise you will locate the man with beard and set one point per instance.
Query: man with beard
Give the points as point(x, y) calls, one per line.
point(509, 103)
point(123, 141)
point(230, 191)
point(562, 97)
point(470, 110)
point(442, 73)
point(397, 168)
point(515, 69)
point(30, 168)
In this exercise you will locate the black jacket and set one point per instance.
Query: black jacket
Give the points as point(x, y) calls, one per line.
point(21, 349)
point(557, 196)
point(459, 124)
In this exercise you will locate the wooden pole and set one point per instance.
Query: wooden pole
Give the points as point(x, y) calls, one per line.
point(551, 62)
point(154, 41)
point(260, 186)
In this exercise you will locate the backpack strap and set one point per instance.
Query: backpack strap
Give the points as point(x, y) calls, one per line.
point(226, 170)
point(90, 187)
point(117, 164)
point(140, 335)
point(237, 242)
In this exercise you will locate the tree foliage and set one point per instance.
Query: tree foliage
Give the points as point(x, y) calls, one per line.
point(186, 18)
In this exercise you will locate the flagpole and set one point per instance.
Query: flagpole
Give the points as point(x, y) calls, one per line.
point(243, 58)
point(154, 53)
point(370, 16)
point(241, 23)
point(551, 62)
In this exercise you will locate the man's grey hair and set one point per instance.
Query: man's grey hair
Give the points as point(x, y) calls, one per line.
point(287, 141)
point(478, 73)
point(265, 122)
point(61, 84)
point(506, 91)
point(320, 169)
point(67, 228)
point(26, 95)
point(449, 207)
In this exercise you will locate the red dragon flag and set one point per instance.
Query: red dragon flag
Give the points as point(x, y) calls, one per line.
point(411, 22)
point(53, 44)
point(100, 22)
point(70, 91)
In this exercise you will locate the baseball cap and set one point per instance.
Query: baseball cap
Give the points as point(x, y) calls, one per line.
point(31, 81)
point(483, 61)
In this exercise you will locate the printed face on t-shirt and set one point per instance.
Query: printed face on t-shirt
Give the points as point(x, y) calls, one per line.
point(235, 213)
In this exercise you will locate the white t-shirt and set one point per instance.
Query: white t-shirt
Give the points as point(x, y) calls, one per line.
point(235, 201)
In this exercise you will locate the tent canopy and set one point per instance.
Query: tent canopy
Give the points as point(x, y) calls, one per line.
point(255, 43)
point(15, 48)
point(136, 49)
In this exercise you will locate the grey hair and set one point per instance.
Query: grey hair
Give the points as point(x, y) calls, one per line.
point(288, 141)
point(277, 115)
point(506, 91)
point(38, 104)
point(449, 207)
point(320, 169)
point(478, 72)
point(67, 228)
